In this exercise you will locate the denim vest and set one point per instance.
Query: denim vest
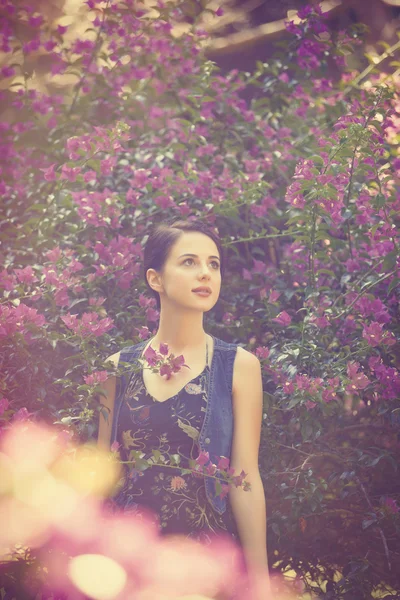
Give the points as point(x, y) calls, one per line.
point(217, 431)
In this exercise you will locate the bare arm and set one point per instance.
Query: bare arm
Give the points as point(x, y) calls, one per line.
point(249, 507)
point(109, 386)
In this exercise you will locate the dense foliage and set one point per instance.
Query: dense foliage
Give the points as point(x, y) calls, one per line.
point(302, 186)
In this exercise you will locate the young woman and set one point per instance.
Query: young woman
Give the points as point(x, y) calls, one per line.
point(214, 406)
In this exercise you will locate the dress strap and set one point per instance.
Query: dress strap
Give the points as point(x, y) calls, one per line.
point(207, 353)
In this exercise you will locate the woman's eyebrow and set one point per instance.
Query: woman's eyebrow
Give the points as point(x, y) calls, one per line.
point(195, 256)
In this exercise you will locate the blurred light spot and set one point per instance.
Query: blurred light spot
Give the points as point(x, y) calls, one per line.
point(31, 444)
point(20, 525)
point(6, 476)
point(39, 489)
point(98, 576)
point(89, 471)
point(194, 597)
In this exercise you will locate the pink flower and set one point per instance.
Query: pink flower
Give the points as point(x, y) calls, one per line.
point(288, 387)
point(202, 458)
point(35, 21)
point(292, 28)
point(166, 369)
point(7, 281)
point(246, 275)
point(61, 297)
point(238, 479)
point(309, 404)
point(151, 356)
point(305, 11)
point(90, 324)
point(70, 173)
point(262, 352)
point(224, 490)
point(273, 295)
point(96, 301)
point(96, 377)
point(22, 415)
point(53, 255)
point(283, 318)
point(49, 173)
point(25, 275)
point(210, 469)
point(227, 318)
point(115, 446)
point(223, 463)
point(358, 381)
point(7, 71)
point(164, 349)
point(107, 165)
point(29, 315)
point(177, 363)
point(90, 176)
point(375, 335)
point(390, 504)
point(50, 45)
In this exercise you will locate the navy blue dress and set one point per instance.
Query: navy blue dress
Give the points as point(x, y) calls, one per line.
point(178, 503)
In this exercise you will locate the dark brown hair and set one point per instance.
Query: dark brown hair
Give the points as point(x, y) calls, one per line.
point(161, 239)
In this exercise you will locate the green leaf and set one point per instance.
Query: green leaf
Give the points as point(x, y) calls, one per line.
point(390, 261)
point(141, 464)
point(367, 523)
point(294, 402)
point(156, 454)
point(394, 284)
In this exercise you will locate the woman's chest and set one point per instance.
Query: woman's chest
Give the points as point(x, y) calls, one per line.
point(161, 389)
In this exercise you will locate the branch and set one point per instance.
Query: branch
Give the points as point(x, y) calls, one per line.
point(384, 542)
point(238, 42)
point(367, 287)
point(370, 68)
point(82, 79)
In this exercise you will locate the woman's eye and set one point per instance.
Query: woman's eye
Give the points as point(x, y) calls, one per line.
point(214, 262)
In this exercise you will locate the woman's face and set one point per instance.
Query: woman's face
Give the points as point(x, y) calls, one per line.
point(182, 273)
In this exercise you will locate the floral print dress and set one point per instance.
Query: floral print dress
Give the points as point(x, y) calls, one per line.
point(177, 503)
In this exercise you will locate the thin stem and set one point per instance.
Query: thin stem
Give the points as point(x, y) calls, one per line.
point(180, 468)
point(311, 261)
point(79, 85)
point(367, 287)
point(262, 237)
point(353, 285)
point(371, 67)
point(382, 535)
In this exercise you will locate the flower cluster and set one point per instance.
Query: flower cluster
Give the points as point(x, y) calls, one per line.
point(162, 363)
point(99, 209)
point(119, 257)
point(89, 324)
point(96, 377)
point(15, 319)
point(202, 466)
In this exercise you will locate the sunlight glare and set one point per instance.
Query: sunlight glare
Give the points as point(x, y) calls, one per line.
point(98, 576)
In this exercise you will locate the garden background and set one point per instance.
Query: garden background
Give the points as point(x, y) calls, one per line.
point(118, 119)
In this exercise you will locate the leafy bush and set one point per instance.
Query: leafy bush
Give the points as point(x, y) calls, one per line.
point(302, 186)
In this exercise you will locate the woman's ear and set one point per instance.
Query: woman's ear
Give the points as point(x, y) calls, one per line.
point(154, 280)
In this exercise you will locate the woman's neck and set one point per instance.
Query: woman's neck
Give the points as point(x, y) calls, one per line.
point(180, 344)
